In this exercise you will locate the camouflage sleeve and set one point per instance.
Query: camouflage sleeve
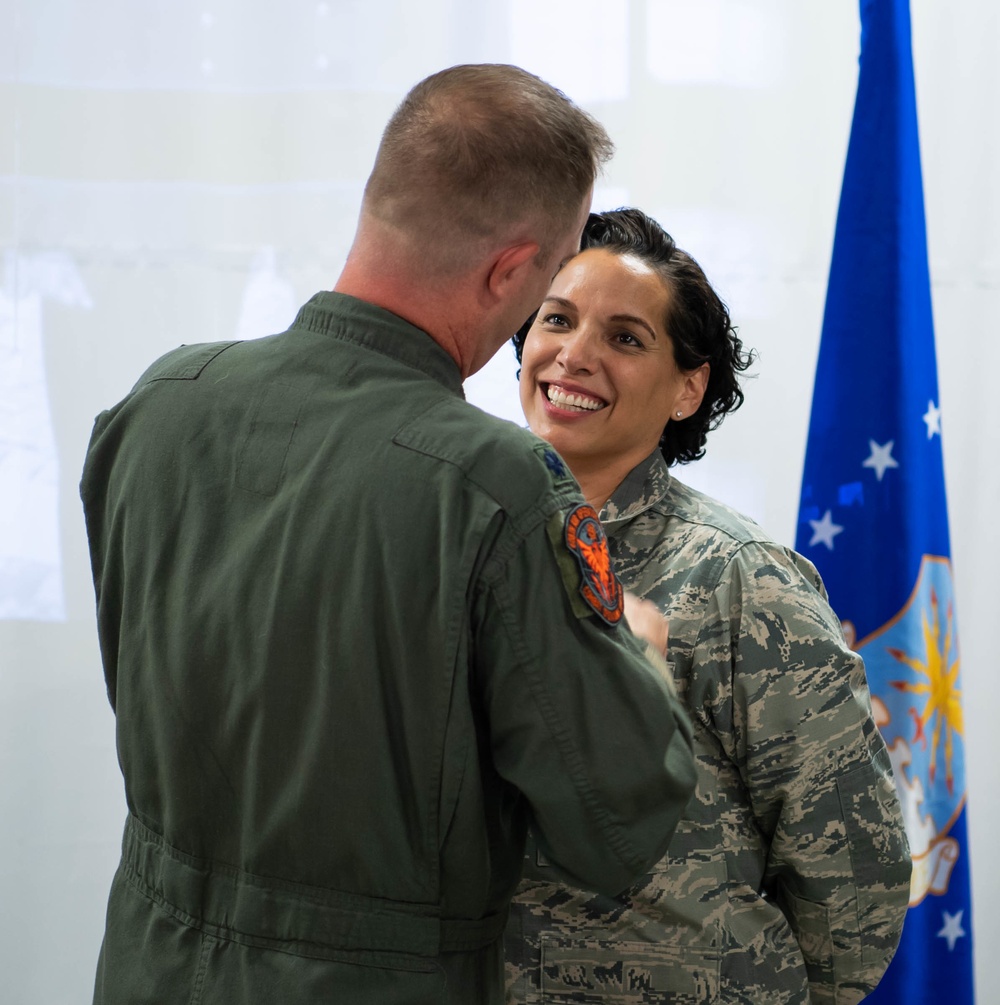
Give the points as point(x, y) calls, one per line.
point(816, 771)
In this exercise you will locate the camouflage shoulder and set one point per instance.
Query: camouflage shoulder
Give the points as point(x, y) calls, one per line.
point(717, 531)
point(697, 507)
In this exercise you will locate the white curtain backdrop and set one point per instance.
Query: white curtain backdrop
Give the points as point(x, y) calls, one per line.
point(191, 171)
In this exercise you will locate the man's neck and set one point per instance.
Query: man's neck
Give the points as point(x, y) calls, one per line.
point(389, 290)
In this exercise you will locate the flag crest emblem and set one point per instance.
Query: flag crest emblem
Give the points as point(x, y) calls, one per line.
point(913, 671)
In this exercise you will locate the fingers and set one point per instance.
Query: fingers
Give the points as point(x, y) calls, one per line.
point(646, 622)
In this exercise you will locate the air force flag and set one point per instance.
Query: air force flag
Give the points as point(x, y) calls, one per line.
point(873, 515)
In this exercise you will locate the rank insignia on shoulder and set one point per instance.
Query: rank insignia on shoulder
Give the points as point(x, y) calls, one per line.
point(555, 465)
point(599, 586)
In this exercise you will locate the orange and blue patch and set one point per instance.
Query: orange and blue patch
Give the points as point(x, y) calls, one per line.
point(599, 586)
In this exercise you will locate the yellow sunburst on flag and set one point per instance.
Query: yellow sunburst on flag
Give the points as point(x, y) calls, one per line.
point(944, 702)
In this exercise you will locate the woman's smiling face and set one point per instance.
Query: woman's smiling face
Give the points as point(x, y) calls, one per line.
point(598, 376)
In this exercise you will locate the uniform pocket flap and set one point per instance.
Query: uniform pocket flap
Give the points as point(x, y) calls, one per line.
point(628, 972)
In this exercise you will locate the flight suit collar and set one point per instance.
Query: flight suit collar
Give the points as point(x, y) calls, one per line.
point(346, 317)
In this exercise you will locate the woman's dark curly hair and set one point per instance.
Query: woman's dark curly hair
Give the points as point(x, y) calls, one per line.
point(697, 322)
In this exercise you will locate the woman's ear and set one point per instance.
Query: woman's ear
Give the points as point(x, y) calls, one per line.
point(688, 400)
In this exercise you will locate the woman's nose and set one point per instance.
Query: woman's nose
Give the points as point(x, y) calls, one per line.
point(576, 354)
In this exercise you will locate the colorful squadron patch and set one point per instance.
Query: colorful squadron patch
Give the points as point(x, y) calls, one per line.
point(599, 585)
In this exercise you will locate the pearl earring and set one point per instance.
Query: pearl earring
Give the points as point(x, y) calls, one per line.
point(680, 415)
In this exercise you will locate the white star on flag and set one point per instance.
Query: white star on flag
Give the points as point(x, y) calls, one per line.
point(933, 419)
point(952, 930)
point(824, 530)
point(881, 458)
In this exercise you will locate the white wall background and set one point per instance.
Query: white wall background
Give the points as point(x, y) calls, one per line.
point(190, 170)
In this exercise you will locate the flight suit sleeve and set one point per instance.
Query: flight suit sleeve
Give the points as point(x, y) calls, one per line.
point(580, 722)
point(816, 770)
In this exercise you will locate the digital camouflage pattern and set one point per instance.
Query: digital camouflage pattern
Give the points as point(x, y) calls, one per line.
point(787, 881)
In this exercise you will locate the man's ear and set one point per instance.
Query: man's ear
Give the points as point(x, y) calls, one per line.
point(509, 265)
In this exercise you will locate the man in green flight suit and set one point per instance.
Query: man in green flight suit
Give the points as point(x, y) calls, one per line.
point(358, 634)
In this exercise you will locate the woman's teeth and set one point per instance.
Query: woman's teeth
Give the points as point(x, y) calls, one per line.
point(580, 402)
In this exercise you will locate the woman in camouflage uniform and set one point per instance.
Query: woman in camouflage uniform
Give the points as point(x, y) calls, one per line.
point(788, 879)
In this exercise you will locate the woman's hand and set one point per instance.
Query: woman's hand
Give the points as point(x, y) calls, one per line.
point(646, 622)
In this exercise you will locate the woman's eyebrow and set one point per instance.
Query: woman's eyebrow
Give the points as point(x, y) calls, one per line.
point(558, 301)
point(632, 319)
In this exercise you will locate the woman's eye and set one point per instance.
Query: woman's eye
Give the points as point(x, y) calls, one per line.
point(627, 338)
point(555, 319)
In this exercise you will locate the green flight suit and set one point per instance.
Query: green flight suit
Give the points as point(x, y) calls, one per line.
point(350, 661)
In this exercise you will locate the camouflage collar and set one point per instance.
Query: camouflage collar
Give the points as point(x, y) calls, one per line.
point(644, 486)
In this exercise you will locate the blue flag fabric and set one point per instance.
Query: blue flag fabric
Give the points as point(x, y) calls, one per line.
point(873, 514)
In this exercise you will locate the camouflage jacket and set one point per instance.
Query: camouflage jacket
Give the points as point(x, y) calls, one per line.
point(787, 881)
